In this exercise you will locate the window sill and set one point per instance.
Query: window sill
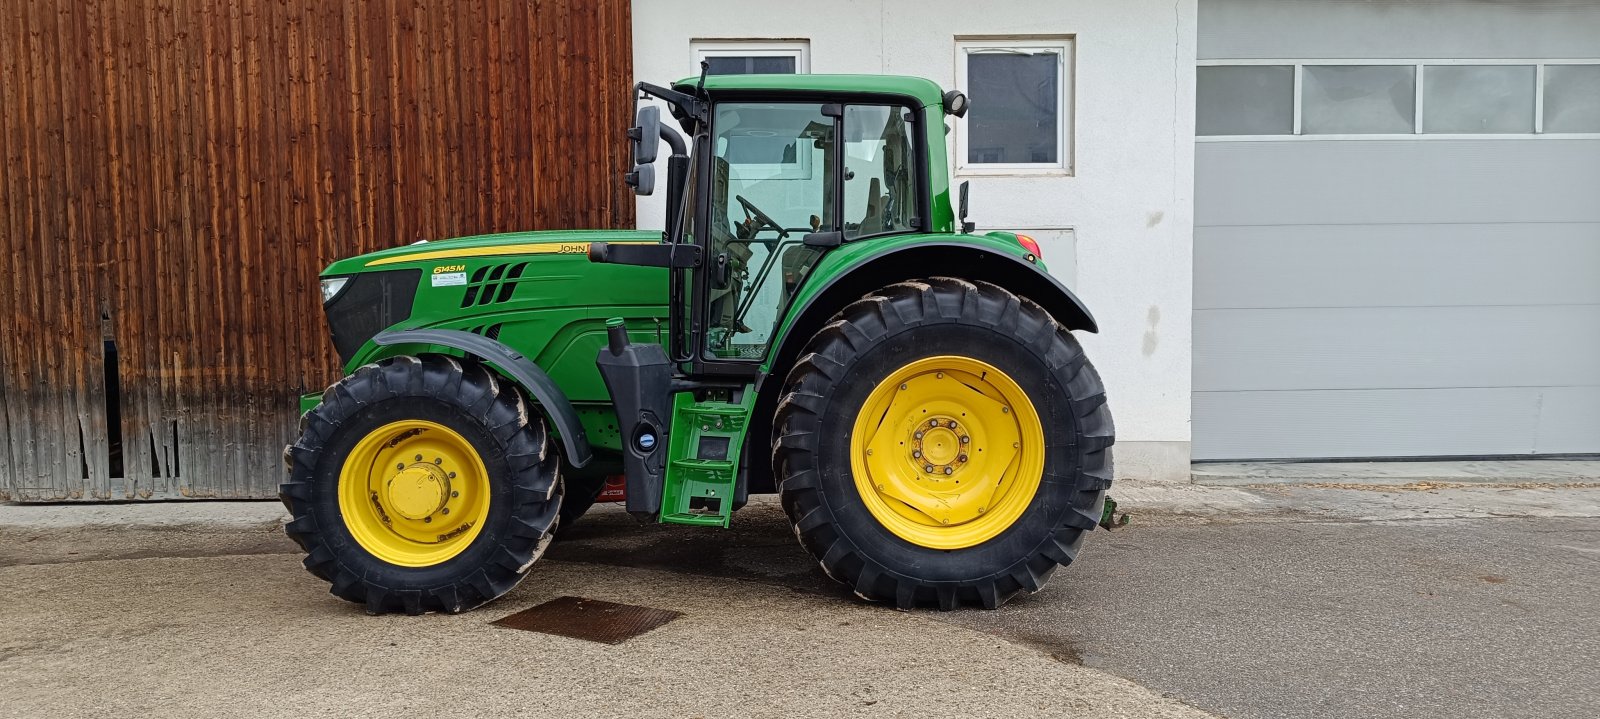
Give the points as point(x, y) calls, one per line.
point(1013, 171)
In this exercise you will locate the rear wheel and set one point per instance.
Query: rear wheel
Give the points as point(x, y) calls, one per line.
point(422, 484)
point(943, 442)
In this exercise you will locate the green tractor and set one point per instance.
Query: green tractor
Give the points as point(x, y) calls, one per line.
point(816, 320)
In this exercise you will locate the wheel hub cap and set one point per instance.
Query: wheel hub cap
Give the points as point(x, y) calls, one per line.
point(418, 491)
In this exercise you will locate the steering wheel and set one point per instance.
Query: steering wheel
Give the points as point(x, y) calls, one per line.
point(751, 211)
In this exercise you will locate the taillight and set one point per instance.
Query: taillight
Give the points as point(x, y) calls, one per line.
point(1029, 244)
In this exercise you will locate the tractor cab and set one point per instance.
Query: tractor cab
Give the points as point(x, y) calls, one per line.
point(770, 174)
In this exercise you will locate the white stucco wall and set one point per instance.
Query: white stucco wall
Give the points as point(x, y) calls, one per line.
point(1119, 231)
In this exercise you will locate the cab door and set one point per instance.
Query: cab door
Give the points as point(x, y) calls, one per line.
point(766, 170)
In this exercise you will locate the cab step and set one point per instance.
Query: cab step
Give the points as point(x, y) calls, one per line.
point(703, 459)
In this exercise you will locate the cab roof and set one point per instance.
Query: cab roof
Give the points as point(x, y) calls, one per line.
point(925, 91)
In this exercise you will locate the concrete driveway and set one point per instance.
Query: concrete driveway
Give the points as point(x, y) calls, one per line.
point(1244, 603)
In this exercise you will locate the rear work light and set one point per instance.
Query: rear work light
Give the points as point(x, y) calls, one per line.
point(1029, 244)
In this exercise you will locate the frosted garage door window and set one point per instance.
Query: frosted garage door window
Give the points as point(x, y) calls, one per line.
point(1358, 99)
point(1016, 107)
point(1572, 98)
point(1477, 98)
point(1244, 100)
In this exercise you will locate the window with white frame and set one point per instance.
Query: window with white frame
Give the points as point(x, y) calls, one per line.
point(1286, 99)
point(1020, 91)
point(752, 57)
point(757, 153)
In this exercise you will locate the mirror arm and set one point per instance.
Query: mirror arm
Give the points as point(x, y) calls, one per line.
point(677, 173)
point(675, 140)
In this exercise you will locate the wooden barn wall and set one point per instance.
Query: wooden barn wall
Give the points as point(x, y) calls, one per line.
point(177, 172)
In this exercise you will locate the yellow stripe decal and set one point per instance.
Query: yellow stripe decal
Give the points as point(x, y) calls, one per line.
point(540, 248)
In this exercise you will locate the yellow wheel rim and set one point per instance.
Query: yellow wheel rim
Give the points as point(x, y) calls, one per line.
point(947, 452)
point(414, 493)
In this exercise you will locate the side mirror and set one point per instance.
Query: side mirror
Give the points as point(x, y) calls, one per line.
point(642, 179)
point(646, 135)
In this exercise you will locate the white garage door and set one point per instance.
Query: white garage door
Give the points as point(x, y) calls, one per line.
point(1397, 242)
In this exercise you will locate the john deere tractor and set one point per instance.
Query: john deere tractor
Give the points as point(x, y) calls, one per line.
point(817, 319)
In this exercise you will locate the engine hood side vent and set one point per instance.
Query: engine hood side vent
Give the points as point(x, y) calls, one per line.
point(493, 284)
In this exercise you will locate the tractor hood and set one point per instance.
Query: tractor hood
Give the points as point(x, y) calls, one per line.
point(511, 243)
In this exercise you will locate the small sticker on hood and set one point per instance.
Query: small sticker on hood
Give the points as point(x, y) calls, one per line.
point(449, 279)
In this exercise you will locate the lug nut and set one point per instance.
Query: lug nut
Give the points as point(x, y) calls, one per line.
point(1005, 410)
point(917, 453)
point(962, 458)
point(869, 453)
point(949, 470)
point(427, 520)
point(454, 494)
point(938, 375)
point(952, 424)
point(419, 458)
point(446, 510)
point(902, 385)
point(400, 466)
point(916, 435)
point(452, 475)
point(438, 460)
point(933, 423)
point(965, 439)
point(928, 469)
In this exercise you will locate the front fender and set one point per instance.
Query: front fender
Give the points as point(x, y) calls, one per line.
point(508, 362)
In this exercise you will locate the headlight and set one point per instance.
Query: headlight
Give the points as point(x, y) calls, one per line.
point(331, 287)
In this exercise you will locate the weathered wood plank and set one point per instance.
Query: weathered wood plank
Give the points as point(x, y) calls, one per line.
point(185, 169)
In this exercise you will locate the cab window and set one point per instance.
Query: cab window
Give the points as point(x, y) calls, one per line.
point(771, 183)
point(879, 172)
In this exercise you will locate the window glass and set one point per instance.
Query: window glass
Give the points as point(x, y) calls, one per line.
point(1572, 98)
point(1016, 106)
point(879, 171)
point(1244, 100)
point(1357, 99)
point(751, 65)
point(1477, 98)
point(759, 213)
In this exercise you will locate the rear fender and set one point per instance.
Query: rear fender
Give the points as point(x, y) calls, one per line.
point(974, 257)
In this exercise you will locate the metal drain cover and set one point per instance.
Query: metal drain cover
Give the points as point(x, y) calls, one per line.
point(590, 619)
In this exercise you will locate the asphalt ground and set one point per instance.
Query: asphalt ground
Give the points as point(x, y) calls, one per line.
point(1275, 602)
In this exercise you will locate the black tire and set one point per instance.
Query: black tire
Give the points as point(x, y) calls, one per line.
point(525, 488)
point(862, 345)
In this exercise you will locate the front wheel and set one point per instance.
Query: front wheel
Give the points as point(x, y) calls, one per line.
point(422, 484)
point(943, 442)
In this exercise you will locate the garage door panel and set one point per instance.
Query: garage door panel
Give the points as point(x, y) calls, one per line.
point(1365, 423)
point(1568, 420)
point(1310, 182)
point(1396, 347)
point(1437, 28)
point(1397, 265)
